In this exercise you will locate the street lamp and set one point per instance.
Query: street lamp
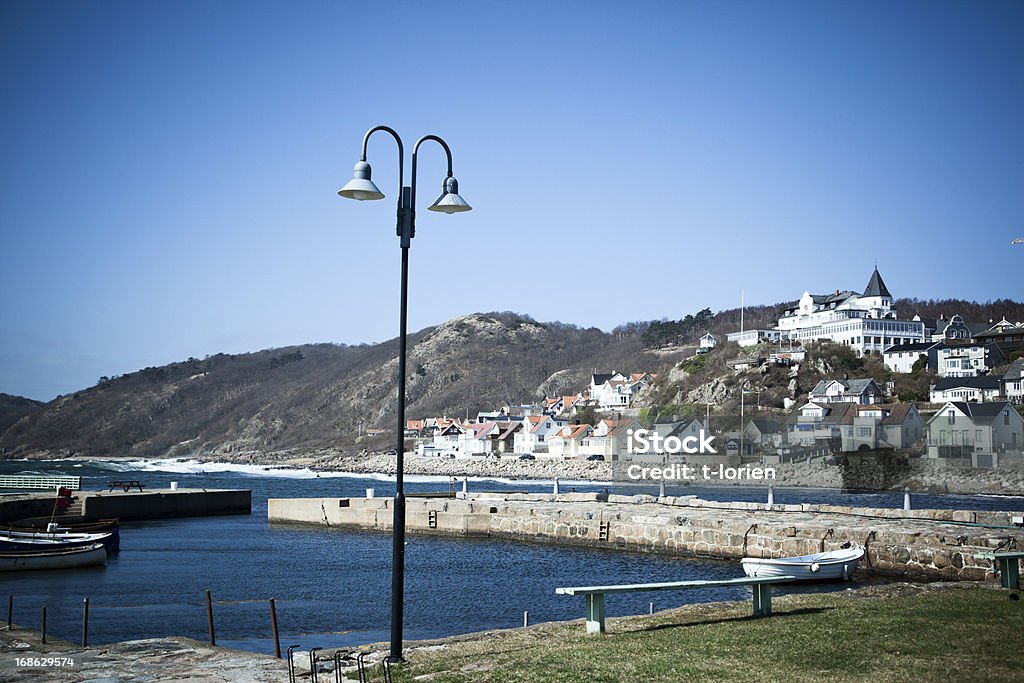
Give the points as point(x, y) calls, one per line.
point(361, 187)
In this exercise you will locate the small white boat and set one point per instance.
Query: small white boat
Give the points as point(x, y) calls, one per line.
point(61, 558)
point(835, 565)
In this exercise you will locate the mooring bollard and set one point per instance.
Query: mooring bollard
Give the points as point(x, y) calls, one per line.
point(906, 499)
point(661, 489)
point(771, 495)
point(273, 626)
point(652, 608)
point(555, 491)
point(465, 484)
point(10, 611)
point(85, 622)
point(209, 617)
point(42, 625)
point(526, 618)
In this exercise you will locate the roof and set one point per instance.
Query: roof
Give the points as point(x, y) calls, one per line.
point(834, 298)
point(597, 379)
point(850, 386)
point(876, 287)
point(980, 382)
point(980, 413)
point(1016, 370)
point(897, 413)
point(767, 426)
point(835, 413)
point(920, 346)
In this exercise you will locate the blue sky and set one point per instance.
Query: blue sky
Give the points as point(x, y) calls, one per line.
point(170, 168)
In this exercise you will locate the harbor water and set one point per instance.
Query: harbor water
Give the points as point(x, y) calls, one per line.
point(332, 587)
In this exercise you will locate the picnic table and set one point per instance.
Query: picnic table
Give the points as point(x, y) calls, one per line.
point(126, 484)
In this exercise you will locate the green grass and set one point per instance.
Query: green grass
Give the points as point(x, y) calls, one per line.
point(971, 634)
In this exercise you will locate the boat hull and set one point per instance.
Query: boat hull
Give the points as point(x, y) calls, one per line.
point(835, 565)
point(46, 540)
point(54, 558)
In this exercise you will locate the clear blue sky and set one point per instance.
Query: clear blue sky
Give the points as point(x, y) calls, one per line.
point(169, 169)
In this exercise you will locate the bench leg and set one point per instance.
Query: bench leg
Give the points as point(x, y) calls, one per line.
point(1009, 573)
point(762, 600)
point(595, 612)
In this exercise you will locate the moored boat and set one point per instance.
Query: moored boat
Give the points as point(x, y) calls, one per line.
point(834, 565)
point(44, 527)
point(43, 540)
point(53, 558)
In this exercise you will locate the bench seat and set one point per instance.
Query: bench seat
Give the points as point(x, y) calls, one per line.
point(594, 595)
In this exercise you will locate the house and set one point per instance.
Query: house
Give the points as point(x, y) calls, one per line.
point(902, 357)
point(861, 391)
point(754, 337)
point(965, 389)
point(617, 390)
point(955, 329)
point(609, 439)
point(505, 443)
point(532, 438)
point(765, 432)
point(819, 424)
point(983, 432)
point(866, 322)
point(448, 439)
point(965, 359)
point(1009, 337)
point(566, 442)
point(565, 405)
point(883, 426)
point(1013, 382)
point(707, 342)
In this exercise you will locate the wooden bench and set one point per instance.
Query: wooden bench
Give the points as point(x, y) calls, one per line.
point(595, 594)
point(127, 485)
point(1008, 566)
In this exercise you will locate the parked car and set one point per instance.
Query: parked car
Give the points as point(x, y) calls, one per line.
point(391, 451)
point(527, 456)
point(595, 456)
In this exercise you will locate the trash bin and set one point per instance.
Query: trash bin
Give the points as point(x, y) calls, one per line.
point(370, 493)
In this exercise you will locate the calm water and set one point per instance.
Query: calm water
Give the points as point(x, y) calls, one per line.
point(332, 587)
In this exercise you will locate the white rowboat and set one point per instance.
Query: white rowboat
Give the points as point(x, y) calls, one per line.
point(65, 558)
point(835, 565)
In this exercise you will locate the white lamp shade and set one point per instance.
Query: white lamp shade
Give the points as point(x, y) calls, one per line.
point(450, 201)
point(361, 187)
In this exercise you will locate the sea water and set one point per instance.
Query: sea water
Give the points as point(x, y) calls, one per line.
point(332, 587)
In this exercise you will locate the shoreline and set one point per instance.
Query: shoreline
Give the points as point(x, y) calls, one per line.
point(918, 475)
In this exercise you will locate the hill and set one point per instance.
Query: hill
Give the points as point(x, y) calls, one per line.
point(321, 395)
point(13, 408)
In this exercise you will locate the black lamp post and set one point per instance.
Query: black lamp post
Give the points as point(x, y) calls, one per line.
point(362, 188)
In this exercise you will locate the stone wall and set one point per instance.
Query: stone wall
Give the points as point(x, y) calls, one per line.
point(917, 544)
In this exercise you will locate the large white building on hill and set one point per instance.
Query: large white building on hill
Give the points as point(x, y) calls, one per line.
point(864, 322)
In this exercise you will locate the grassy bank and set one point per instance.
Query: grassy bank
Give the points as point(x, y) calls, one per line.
point(891, 633)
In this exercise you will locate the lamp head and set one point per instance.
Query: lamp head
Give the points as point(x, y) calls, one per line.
point(450, 201)
point(361, 187)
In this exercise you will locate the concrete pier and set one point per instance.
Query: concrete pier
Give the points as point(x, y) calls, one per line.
point(918, 544)
point(132, 505)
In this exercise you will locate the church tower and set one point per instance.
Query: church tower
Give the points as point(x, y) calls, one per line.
point(876, 298)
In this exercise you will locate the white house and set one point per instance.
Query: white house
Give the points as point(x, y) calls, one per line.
point(861, 391)
point(610, 439)
point(708, 341)
point(532, 438)
point(818, 424)
point(616, 390)
point(902, 357)
point(566, 442)
point(865, 322)
point(1013, 382)
point(966, 359)
point(983, 432)
point(965, 389)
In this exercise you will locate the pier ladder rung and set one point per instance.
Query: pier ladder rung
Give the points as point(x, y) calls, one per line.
point(432, 519)
point(602, 531)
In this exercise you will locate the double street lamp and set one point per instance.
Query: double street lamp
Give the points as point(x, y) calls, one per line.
point(361, 187)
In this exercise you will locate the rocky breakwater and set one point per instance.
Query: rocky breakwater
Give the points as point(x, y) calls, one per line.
point(914, 544)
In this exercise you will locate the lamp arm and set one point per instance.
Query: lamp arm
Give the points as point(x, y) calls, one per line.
point(401, 155)
point(415, 151)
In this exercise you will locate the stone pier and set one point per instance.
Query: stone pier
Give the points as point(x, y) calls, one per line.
point(913, 544)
